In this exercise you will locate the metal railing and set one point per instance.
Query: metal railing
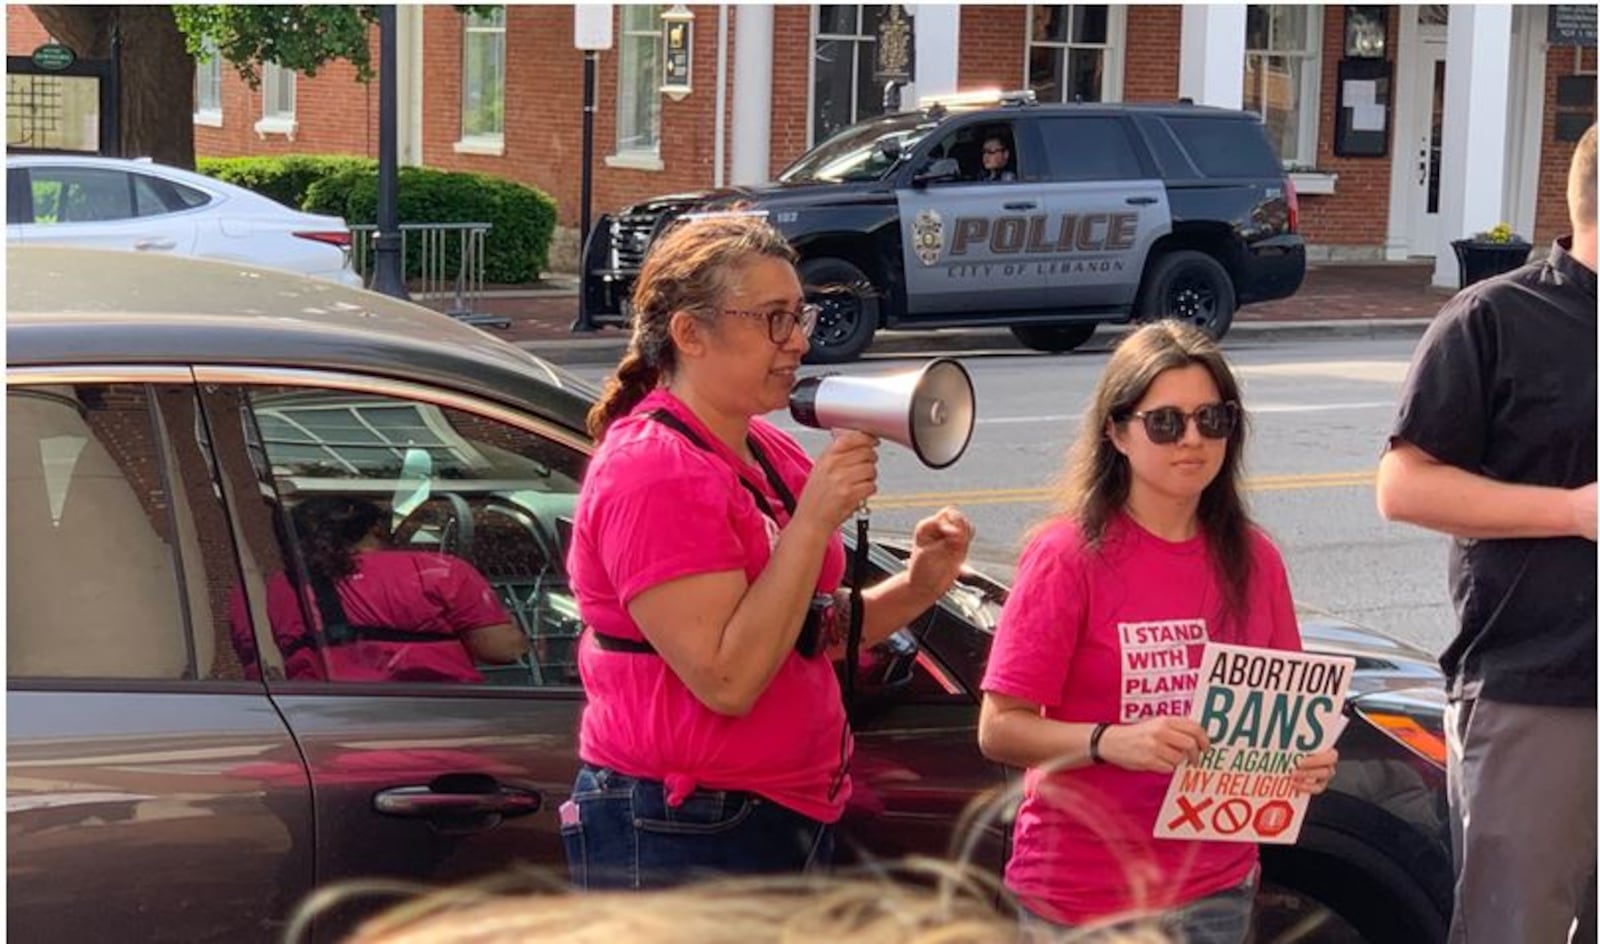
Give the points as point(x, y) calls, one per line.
point(444, 264)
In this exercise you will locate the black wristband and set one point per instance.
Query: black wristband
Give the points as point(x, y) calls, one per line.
point(1094, 742)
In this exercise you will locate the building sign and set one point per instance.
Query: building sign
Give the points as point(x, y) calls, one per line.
point(1572, 24)
point(53, 57)
point(896, 47)
point(677, 28)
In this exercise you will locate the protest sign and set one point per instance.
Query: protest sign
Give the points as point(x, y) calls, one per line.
point(1263, 710)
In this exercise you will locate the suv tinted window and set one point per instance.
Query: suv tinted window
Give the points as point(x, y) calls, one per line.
point(107, 490)
point(1090, 148)
point(1227, 148)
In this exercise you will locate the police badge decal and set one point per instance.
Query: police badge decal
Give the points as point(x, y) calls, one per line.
point(927, 235)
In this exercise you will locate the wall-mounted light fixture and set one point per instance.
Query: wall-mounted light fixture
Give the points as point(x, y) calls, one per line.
point(1366, 32)
point(677, 29)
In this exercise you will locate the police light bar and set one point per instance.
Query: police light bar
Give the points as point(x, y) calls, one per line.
point(718, 214)
point(978, 97)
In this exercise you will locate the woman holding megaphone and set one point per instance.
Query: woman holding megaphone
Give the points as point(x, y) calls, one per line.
point(706, 560)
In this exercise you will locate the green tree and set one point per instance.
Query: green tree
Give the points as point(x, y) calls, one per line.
point(159, 44)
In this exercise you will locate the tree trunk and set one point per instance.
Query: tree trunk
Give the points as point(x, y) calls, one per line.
point(155, 111)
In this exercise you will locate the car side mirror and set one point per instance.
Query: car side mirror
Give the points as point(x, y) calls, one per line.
point(943, 169)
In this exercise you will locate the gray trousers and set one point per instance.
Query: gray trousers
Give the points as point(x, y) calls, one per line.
point(1522, 810)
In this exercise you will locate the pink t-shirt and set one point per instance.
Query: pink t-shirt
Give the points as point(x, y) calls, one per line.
point(1117, 636)
point(655, 507)
point(408, 591)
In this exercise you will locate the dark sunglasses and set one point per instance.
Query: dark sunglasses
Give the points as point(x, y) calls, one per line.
point(1166, 424)
point(998, 150)
point(782, 322)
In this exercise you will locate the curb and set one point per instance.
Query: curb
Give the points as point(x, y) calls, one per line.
point(585, 351)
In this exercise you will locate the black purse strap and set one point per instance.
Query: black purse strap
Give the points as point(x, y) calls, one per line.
point(779, 486)
point(337, 630)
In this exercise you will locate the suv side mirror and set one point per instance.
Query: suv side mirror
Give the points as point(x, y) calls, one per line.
point(945, 168)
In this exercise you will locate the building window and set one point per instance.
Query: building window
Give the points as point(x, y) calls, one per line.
point(1282, 62)
point(1072, 53)
point(843, 89)
point(208, 87)
point(483, 75)
point(639, 80)
point(277, 100)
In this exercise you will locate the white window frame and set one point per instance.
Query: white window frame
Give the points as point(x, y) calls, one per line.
point(631, 40)
point(482, 29)
point(275, 119)
point(208, 73)
point(1112, 48)
point(1309, 111)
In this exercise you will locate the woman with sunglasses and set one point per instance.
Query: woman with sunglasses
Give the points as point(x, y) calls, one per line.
point(1093, 666)
point(705, 559)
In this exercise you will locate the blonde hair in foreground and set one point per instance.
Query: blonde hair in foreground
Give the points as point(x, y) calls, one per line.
point(879, 909)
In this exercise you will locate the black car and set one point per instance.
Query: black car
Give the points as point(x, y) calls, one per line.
point(171, 777)
point(1106, 213)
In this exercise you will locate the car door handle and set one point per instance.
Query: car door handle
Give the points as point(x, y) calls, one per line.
point(154, 243)
point(1022, 205)
point(1140, 201)
point(422, 801)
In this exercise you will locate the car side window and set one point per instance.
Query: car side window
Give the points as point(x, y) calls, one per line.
point(1090, 147)
point(19, 198)
point(80, 195)
point(408, 531)
point(120, 556)
point(153, 195)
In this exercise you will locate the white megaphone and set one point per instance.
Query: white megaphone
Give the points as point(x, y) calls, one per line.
point(930, 411)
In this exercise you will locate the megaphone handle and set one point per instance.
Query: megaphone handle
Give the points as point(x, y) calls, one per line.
point(858, 577)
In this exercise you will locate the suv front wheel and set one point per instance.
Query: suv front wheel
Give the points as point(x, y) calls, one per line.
point(849, 303)
point(1189, 286)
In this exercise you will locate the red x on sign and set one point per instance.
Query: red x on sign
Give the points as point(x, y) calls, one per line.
point(1189, 814)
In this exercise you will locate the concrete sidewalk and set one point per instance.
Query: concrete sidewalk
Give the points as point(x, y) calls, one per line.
point(1336, 299)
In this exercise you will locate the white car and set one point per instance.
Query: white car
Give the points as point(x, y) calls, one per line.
point(112, 203)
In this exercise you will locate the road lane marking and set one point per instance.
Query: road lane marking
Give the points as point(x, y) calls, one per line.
point(1043, 494)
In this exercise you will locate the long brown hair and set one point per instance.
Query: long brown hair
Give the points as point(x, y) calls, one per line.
point(686, 269)
point(1094, 487)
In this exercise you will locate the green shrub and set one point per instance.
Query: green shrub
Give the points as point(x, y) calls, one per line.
point(523, 218)
point(284, 179)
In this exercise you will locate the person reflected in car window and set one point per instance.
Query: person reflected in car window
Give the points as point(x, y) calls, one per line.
point(384, 614)
point(1152, 556)
point(705, 560)
point(996, 160)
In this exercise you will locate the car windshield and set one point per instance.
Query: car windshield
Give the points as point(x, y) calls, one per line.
point(866, 151)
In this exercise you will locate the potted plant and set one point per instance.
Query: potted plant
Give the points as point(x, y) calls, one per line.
point(1490, 253)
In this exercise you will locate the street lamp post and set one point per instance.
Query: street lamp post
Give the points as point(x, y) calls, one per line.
point(388, 273)
point(591, 32)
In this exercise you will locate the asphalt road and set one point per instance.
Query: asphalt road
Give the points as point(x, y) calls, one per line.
point(1320, 409)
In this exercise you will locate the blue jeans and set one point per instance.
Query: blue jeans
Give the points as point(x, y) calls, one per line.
point(624, 834)
point(1219, 918)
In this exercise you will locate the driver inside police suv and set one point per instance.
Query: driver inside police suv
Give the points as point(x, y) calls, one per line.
point(996, 159)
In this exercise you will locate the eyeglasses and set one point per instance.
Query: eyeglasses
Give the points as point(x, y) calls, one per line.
point(995, 150)
point(1166, 425)
point(782, 322)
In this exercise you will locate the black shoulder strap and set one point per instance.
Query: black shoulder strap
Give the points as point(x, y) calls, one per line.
point(336, 628)
point(671, 421)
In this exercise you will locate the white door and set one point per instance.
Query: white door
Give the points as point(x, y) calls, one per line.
point(1424, 141)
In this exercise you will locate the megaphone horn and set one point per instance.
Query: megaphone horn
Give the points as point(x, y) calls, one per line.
point(930, 411)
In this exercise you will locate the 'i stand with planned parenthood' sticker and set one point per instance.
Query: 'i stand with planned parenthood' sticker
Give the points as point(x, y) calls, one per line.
point(1263, 709)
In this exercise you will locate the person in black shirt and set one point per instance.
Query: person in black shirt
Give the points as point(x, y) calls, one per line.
point(1495, 445)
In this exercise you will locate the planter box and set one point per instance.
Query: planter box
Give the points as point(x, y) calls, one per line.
point(1479, 260)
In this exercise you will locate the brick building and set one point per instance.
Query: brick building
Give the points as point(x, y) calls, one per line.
point(1393, 154)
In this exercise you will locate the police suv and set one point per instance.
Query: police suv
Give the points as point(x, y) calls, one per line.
point(1100, 213)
